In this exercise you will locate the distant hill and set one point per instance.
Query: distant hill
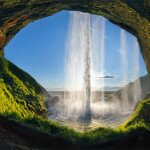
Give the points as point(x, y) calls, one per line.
point(132, 91)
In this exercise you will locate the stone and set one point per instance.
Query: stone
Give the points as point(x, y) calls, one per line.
point(51, 101)
point(129, 88)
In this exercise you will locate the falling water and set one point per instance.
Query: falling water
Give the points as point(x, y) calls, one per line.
point(136, 73)
point(84, 63)
point(102, 49)
point(124, 68)
point(78, 82)
point(100, 107)
point(128, 102)
point(98, 48)
point(87, 72)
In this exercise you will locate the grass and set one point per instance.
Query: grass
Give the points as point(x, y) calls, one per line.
point(22, 111)
point(19, 92)
point(141, 115)
point(47, 132)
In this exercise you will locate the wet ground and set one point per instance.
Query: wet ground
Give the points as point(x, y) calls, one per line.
point(109, 120)
point(112, 116)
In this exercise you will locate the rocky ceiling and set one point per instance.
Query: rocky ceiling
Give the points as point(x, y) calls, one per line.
point(132, 15)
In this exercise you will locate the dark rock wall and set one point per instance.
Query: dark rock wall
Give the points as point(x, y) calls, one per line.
point(133, 16)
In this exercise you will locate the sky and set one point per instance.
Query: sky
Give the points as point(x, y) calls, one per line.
point(39, 49)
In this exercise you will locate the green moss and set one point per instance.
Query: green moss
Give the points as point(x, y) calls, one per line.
point(1, 53)
point(141, 116)
point(101, 137)
point(19, 92)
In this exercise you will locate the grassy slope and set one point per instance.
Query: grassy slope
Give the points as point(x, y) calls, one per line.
point(141, 115)
point(22, 110)
point(19, 92)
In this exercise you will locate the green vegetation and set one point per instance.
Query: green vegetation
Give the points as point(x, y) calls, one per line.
point(141, 115)
point(19, 92)
point(37, 128)
point(22, 107)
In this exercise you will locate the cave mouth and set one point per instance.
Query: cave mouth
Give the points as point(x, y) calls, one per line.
point(111, 89)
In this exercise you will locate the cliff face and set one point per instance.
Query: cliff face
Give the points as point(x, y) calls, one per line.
point(142, 108)
point(133, 16)
point(133, 91)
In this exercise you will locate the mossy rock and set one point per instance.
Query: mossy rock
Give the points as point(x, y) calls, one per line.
point(20, 92)
point(141, 116)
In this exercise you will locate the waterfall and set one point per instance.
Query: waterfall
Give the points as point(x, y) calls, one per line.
point(129, 98)
point(98, 48)
point(85, 57)
point(87, 72)
point(124, 69)
point(136, 73)
point(84, 62)
point(102, 50)
point(78, 82)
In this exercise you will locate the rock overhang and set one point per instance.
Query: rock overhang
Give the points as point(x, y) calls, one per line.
point(133, 16)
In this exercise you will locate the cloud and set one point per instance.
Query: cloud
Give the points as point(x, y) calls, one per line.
point(104, 74)
point(107, 76)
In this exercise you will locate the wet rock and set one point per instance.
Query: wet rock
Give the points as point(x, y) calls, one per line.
point(51, 101)
point(132, 95)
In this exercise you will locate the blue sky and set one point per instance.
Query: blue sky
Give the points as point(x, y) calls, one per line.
point(39, 49)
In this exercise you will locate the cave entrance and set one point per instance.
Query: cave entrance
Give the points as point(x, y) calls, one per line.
point(58, 59)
